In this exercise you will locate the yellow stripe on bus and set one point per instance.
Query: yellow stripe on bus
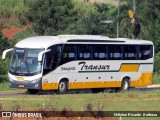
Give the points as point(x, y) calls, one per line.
point(106, 84)
point(49, 86)
point(145, 79)
point(129, 68)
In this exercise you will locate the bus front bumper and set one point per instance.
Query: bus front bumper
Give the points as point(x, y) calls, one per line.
point(34, 84)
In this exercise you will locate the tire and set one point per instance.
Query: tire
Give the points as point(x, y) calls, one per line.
point(62, 87)
point(33, 91)
point(125, 85)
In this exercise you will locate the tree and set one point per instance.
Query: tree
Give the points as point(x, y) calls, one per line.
point(90, 17)
point(51, 17)
point(4, 44)
point(157, 38)
point(146, 12)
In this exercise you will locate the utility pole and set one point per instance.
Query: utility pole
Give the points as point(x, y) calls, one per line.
point(118, 19)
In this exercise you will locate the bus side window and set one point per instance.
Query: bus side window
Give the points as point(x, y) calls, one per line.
point(115, 52)
point(52, 58)
point(145, 52)
point(69, 53)
point(100, 52)
point(130, 52)
point(84, 52)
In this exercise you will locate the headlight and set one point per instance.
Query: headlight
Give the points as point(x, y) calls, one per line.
point(11, 80)
point(36, 80)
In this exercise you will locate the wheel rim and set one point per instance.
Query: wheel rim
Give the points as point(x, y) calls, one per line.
point(62, 86)
point(125, 85)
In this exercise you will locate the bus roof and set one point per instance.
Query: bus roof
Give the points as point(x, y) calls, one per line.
point(46, 41)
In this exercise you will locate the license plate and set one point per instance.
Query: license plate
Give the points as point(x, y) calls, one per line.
point(20, 78)
point(21, 85)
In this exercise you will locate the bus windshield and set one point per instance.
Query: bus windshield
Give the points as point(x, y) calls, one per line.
point(25, 62)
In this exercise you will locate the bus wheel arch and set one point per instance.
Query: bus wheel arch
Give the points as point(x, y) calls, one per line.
point(125, 84)
point(63, 85)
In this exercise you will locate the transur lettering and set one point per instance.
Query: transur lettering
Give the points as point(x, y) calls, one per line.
point(93, 67)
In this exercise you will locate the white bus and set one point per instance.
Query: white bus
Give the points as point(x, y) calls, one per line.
point(67, 62)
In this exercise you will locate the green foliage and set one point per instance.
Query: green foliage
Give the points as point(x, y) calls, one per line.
point(4, 86)
point(157, 63)
point(49, 17)
point(156, 78)
point(147, 13)
point(24, 34)
point(12, 8)
point(3, 78)
point(4, 65)
point(4, 42)
point(157, 38)
point(11, 23)
point(90, 17)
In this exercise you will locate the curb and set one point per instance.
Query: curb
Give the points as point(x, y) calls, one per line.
point(154, 86)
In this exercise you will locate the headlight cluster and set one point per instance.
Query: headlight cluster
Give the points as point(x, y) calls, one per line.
point(36, 80)
point(11, 80)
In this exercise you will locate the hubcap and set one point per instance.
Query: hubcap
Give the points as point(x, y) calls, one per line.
point(125, 85)
point(62, 86)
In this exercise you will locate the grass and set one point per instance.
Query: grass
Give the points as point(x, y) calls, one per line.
point(124, 101)
point(128, 101)
point(4, 86)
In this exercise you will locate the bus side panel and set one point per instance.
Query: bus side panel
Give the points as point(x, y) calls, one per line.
point(145, 79)
point(101, 84)
point(54, 78)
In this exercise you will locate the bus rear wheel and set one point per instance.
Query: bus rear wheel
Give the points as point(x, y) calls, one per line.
point(125, 84)
point(33, 91)
point(62, 88)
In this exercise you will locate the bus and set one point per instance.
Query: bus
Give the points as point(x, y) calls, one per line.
point(67, 62)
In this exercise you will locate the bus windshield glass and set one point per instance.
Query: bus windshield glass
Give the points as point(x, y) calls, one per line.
point(25, 62)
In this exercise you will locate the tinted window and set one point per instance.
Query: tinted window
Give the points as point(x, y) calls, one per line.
point(100, 52)
point(52, 58)
point(115, 52)
point(145, 52)
point(84, 52)
point(69, 53)
point(130, 52)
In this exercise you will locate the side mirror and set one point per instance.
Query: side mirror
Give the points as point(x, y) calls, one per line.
point(40, 55)
point(5, 52)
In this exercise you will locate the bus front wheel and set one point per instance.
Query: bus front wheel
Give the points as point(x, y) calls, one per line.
point(125, 84)
point(62, 88)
